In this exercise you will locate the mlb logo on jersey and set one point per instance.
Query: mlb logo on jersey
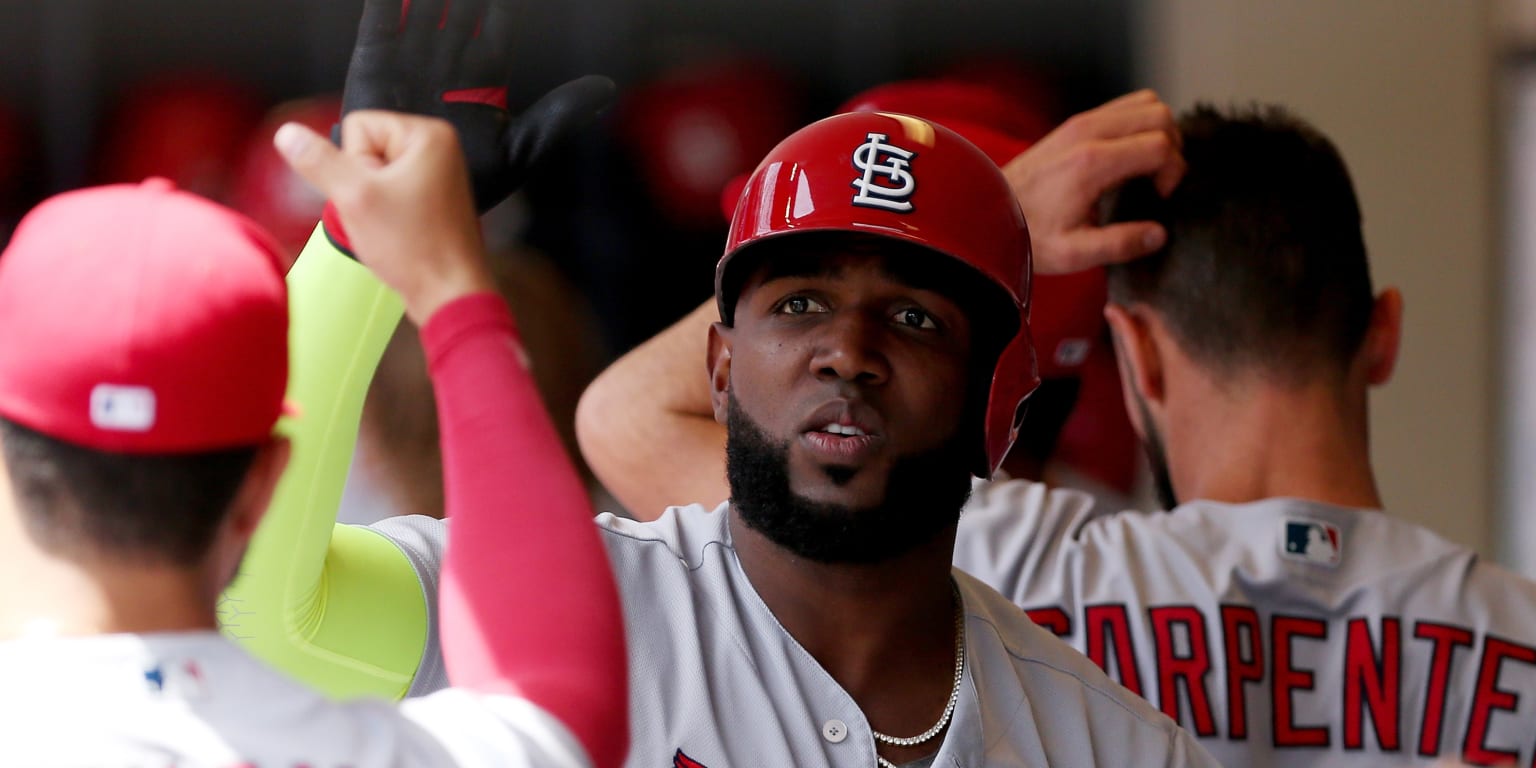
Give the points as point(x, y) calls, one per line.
point(184, 679)
point(1310, 541)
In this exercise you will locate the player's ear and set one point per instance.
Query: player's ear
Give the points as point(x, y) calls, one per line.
point(251, 500)
point(719, 364)
point(1136, 351)
point(1383, 337)
point(247, 509)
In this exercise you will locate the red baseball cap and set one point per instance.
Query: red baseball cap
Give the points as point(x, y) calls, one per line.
point(141, 319)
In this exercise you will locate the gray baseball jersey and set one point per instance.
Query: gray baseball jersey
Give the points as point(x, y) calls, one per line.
point(1281, 632)
point(715, 681)
point(196, 699)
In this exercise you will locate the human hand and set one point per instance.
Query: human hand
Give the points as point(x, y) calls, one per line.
point(401, 189)
point(451, 59)
point(1060, 179)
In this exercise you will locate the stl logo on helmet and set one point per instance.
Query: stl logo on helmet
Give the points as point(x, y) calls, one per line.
point(886, 182)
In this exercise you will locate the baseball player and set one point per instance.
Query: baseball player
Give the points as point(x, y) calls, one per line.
point(797, 626)
point(140, 382)
point(1277, 613)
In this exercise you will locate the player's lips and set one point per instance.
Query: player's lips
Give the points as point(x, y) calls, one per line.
point(842, 432)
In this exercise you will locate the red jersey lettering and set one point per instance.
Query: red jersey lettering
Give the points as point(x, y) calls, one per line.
point(1287, 680)
point(1054, 619)
point(1112, 619)
point(1245, 663)
point(1191, 669)
point(1489, 697)
point(1373, 682)
point(1445, 640)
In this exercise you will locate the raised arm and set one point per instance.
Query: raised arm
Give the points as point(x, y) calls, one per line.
point(341, 607)
point(648, 415)
point(338, 607)
point(529, 607)
point(645, 425)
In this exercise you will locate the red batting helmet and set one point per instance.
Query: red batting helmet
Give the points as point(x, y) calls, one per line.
point(909, 180)
point(1068, 310)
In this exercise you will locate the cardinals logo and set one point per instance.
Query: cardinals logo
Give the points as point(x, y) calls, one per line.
point(681, 760)
point(885, 181)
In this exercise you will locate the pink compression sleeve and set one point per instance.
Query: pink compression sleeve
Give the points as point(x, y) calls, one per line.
point(528, 604)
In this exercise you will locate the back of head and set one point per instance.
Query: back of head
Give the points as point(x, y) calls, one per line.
point(144, 364)
point(76, 502)
point(1264, 271)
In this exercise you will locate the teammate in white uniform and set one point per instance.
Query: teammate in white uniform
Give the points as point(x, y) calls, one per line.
point(1278, 614)
point(142, 374)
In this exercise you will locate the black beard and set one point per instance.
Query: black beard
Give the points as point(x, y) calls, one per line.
point(1157, 457)
point(923, 497)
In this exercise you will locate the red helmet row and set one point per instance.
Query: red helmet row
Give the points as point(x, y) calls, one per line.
point(207, 134)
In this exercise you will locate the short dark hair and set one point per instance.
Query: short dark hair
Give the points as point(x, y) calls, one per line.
point(1265, 265)
point(160, 509)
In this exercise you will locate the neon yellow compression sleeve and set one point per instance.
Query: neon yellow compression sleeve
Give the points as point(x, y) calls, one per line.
point(337, 606)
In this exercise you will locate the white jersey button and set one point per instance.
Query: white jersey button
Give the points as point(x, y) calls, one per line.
point(834, 731)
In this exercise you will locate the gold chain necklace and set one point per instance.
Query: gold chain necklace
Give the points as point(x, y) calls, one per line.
point(954, 695)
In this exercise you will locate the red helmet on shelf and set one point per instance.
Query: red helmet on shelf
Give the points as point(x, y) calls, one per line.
point(267, 190)
point(187, 129)
point(693, 130)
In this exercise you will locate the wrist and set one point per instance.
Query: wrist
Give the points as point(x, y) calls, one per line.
point(330, 221)
point(438, 293)
point(465, 318)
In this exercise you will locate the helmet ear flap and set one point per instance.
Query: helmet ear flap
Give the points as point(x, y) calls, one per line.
point(1013, 380)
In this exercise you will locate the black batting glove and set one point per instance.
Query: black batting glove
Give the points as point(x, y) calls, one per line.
point(452, 59)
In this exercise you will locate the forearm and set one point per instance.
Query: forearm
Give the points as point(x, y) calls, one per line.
point(646, 426)
point(335, 606)
point(529, 606)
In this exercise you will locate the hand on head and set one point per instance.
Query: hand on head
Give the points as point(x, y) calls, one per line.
point(400, 185)
point(1060, 179)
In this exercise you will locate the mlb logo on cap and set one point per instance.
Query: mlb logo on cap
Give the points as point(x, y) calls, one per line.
point(1311, 541)
point(127, 409)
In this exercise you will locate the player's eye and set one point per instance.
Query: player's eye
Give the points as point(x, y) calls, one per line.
point(913, 317)
point(800, 305)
